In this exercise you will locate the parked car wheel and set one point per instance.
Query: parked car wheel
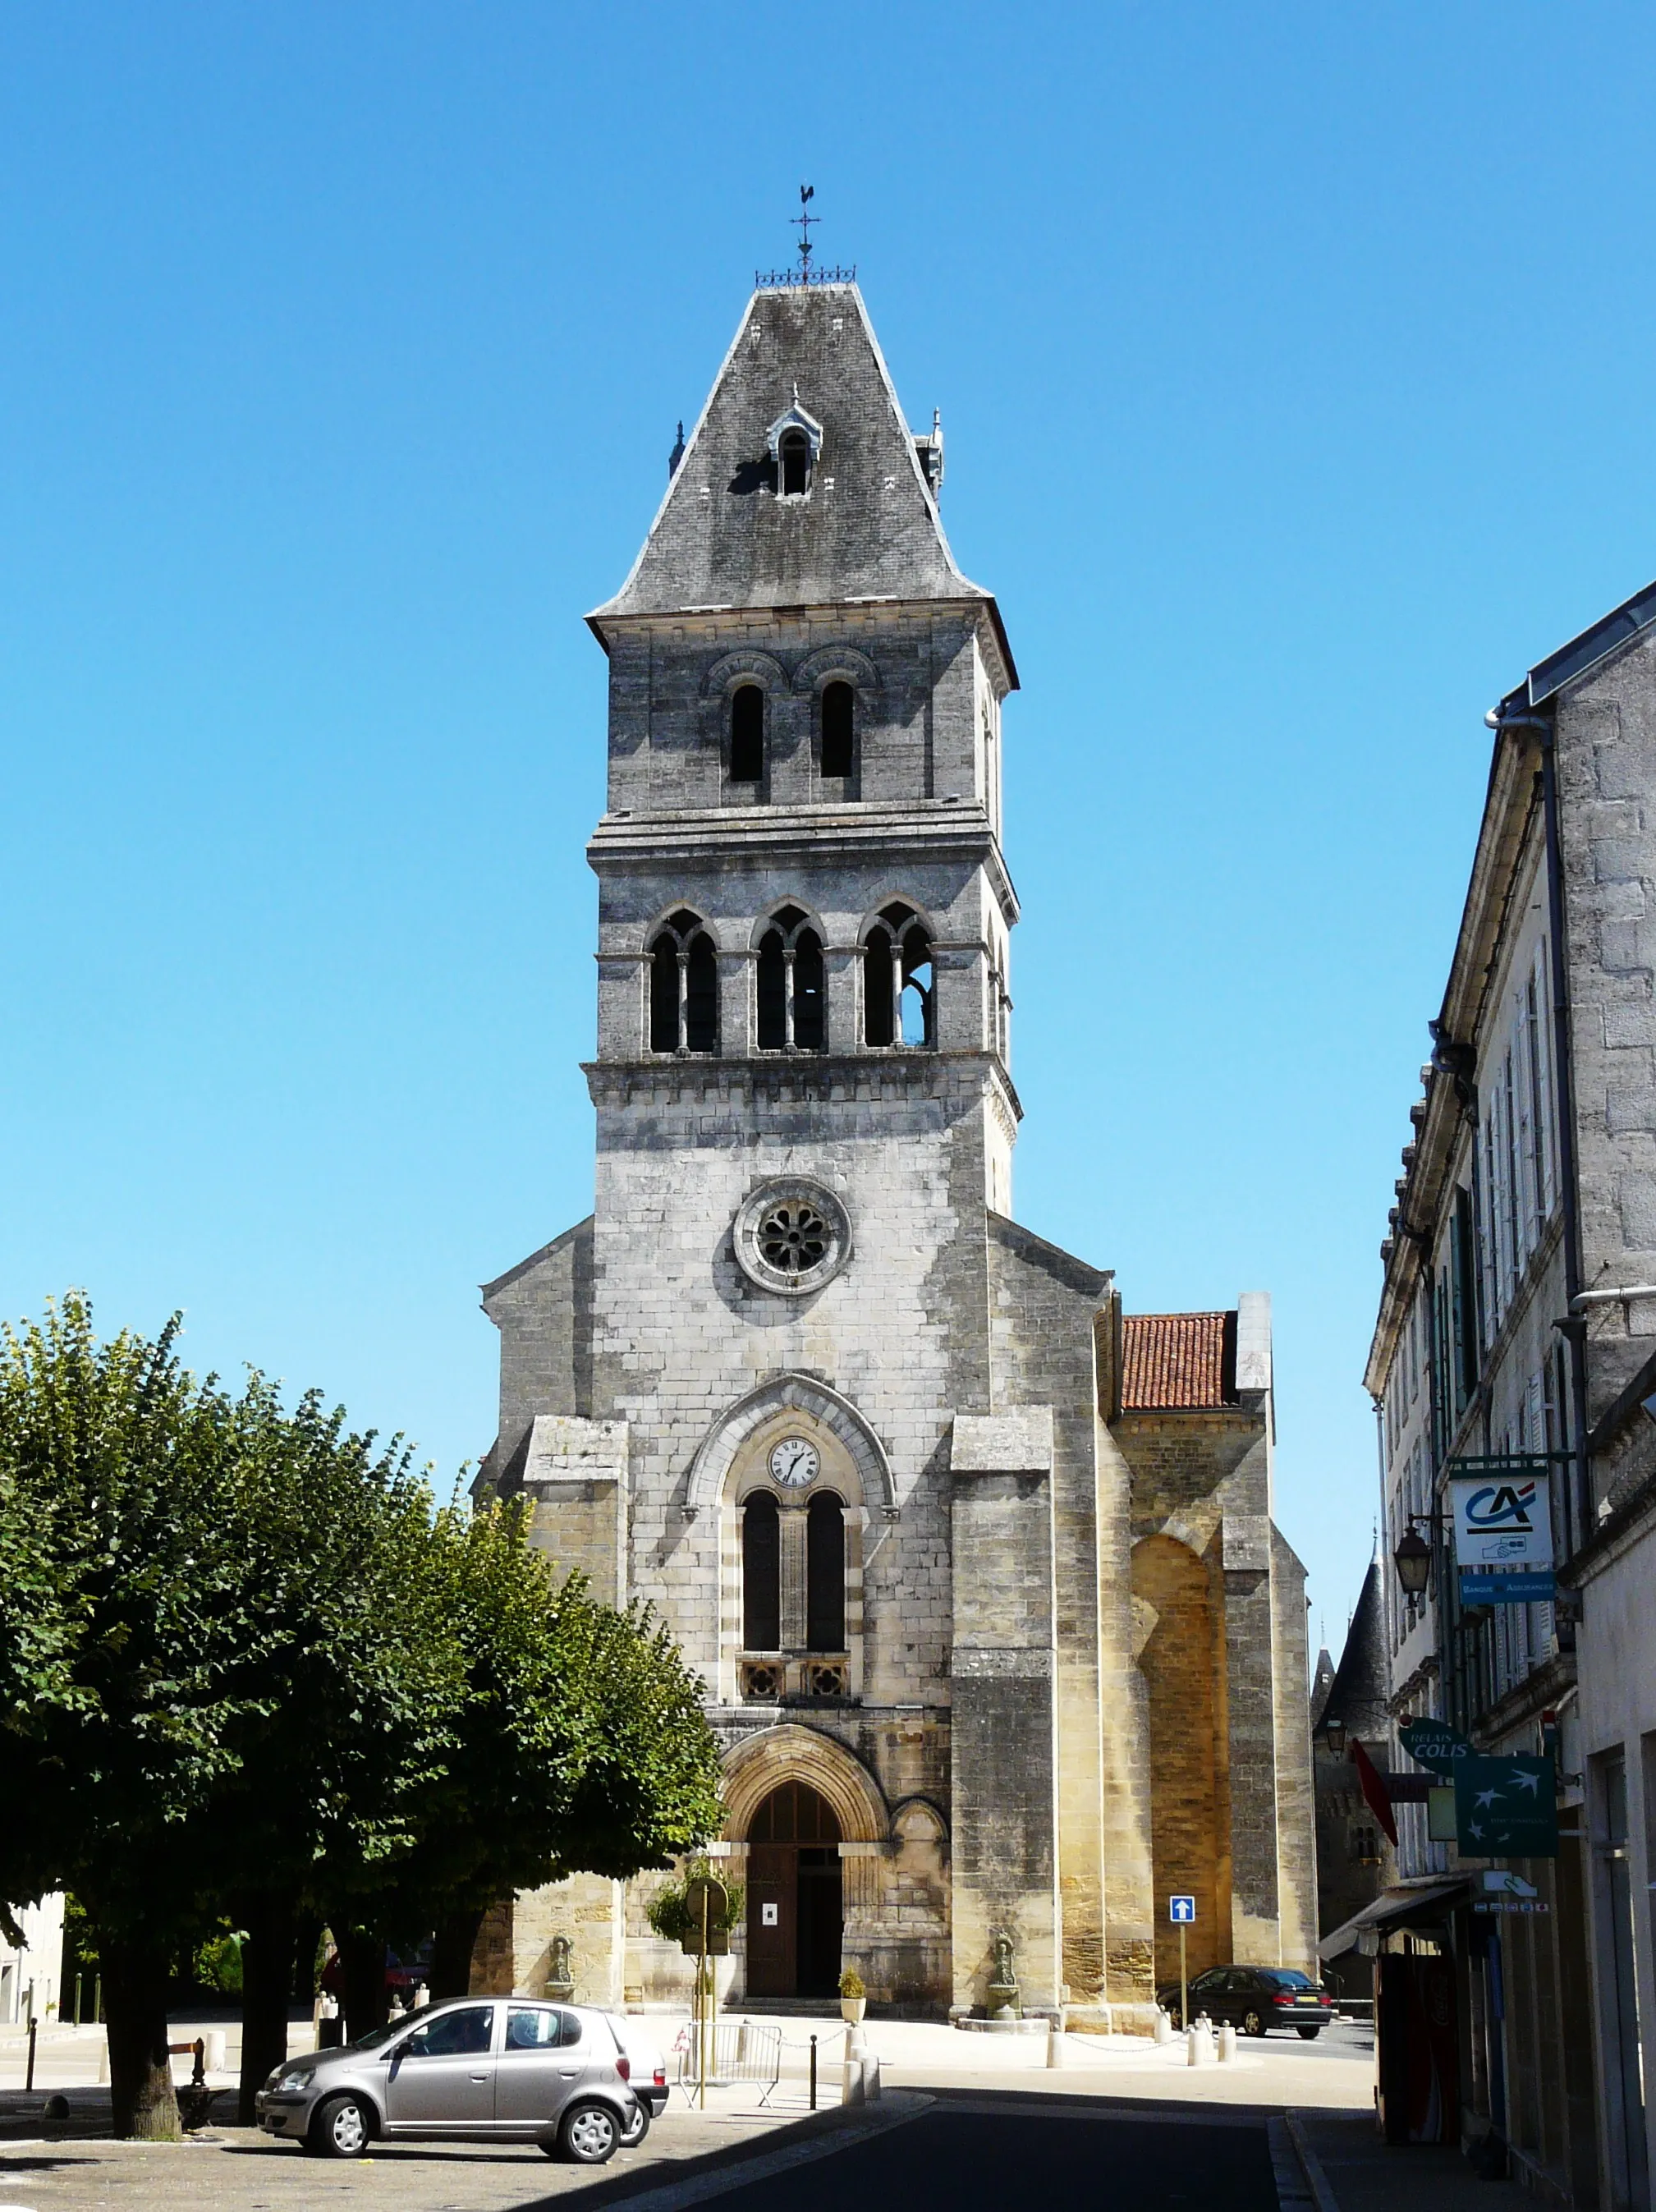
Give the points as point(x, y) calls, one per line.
point(634, 2130)
point(1176, 2017)
point(1308, 2034)
point(1253, 2023)
point(588, 2134)
point(342, 2128)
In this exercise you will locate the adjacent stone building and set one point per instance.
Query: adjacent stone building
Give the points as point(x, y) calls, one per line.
point(981, 1577)
point(1516, 1343)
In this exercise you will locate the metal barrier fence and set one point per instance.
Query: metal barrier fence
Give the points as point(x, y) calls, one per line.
point(737, 2051)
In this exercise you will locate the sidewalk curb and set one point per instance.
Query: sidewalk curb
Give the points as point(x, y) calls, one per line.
point(818, 2135)
point(1310, 2165)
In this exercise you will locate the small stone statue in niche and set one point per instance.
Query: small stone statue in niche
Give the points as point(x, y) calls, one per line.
point(1004, 1981)
point(561, 1978)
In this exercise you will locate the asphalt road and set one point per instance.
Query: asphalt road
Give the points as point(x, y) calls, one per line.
point(976, 2159)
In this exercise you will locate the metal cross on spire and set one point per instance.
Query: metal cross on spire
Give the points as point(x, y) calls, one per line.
point(802, 272)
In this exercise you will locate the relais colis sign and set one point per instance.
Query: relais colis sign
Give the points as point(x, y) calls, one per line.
point(1503, 1533)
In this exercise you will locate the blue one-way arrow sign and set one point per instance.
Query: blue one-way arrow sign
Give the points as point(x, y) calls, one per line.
point(1181, 1908)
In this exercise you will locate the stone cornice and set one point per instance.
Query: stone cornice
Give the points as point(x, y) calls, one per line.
point(815, 1076)
point(835, 836)
point(975, 610)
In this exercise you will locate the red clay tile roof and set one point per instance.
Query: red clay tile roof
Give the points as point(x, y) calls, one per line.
point(1178, 1360)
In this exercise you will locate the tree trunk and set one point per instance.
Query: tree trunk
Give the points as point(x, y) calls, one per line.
point(307, 1937)
point(136, 1980)
point(450, 1954)
point(267, 1972)
point(365, 2002)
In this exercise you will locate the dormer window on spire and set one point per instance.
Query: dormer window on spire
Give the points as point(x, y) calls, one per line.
point(795, 440)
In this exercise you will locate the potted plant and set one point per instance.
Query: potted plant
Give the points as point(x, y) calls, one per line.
point(853, 1995)
point(670, 1913)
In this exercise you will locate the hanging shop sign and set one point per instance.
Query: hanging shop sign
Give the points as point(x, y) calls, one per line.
point(1436, 1745)
point(1507, 1807)
point(1503, 1535)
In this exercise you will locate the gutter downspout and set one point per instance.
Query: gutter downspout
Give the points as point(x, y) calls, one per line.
point(1546, 727)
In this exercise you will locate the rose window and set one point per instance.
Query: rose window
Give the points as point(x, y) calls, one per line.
point(791, 1235)
point(794, 1238)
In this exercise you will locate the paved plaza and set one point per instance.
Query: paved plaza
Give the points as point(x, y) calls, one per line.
point(981, 2113)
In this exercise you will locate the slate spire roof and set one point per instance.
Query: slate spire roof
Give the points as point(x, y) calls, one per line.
point(1358, 1695)
point(869, 527)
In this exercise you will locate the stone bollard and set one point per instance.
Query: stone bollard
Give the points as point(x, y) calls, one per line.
point(1163, 2028)
point(1055, 2042)
point(872, 2090)
point(103, 2057)
point(1192, 2046)
point(1226, 2041)
point(213, 2058)
point(853, 2089)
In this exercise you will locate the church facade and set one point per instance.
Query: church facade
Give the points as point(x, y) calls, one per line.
point(980, 1573)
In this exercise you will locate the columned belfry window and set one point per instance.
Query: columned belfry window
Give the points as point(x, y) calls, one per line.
point(683, 987)
point(899, 999)
point(789, 985)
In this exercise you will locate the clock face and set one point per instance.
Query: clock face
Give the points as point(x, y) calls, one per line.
point(794, 1463)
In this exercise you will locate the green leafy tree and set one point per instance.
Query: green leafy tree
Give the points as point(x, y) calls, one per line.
point(579, 1745)
point(210, 1685)
point(121, 1628)
point(246, 1673)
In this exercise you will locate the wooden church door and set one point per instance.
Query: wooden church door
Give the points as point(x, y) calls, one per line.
point(793, 1871)
point(773, 1921)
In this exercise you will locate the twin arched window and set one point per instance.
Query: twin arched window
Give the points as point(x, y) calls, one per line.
point(824, 1623)
point(838, 718)
point(683, 987)
point(898, 992)
point(790, 985)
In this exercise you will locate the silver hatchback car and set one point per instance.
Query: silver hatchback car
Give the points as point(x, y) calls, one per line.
point(489, 2070)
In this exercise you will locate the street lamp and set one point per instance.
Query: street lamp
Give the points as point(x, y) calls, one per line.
point(1333, 1734)
point(1413, 1561)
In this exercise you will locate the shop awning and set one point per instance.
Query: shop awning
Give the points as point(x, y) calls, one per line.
point(1393, 1908)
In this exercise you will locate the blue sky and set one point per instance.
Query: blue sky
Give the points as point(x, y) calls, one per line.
point(1294, 365)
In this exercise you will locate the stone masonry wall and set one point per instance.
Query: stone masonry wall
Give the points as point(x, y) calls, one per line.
point(1606, 743)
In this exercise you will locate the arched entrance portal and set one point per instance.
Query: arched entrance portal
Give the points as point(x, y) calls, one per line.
point(794, 1910)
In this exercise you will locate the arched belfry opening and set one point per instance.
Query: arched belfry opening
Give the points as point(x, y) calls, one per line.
point(795, 1908)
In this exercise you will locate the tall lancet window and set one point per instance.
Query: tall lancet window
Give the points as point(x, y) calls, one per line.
point(838, 729)
point(747, 734)
point(683, 987)
point(825, 1573)
point(761, 1574)
point(790, 991)
point(898, 996)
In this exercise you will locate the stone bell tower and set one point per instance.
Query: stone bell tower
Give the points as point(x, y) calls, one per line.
point(800, 1380)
